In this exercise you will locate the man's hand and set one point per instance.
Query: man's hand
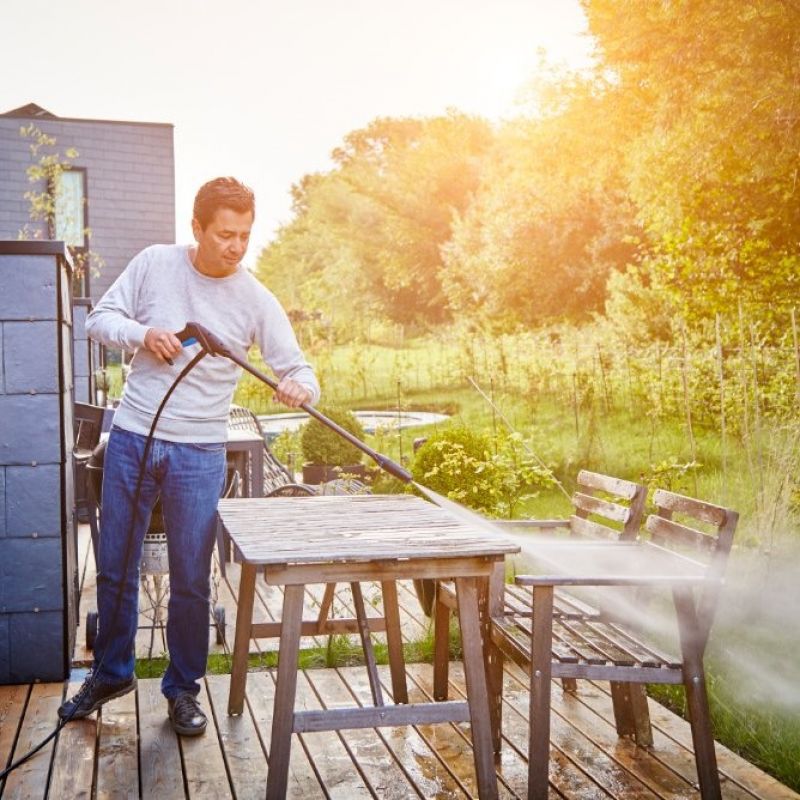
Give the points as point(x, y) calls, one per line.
point(292, 393)
point(165, 345)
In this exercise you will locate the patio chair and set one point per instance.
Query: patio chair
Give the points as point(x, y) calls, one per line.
point(278, 481)
point(88, 426)
point(598, 646)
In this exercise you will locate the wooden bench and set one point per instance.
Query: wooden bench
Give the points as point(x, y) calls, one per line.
point(603, 507)
point(553, 641)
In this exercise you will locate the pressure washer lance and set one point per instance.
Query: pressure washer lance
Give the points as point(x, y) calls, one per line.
point(196, 333)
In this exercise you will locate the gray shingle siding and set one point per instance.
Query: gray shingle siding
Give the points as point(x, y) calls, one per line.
point(130, 170)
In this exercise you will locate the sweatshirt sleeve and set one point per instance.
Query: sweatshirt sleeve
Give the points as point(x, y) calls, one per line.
point(112, 321)
point(279, 347)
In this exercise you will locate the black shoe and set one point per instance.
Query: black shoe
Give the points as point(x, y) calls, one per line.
point(92, 695)
point(186, 716)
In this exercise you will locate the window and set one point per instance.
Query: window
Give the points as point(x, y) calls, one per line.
point(71, 218)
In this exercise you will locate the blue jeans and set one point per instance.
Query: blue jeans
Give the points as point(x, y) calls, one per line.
point(189, 479)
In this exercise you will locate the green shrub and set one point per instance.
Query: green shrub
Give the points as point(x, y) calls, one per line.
point(465, 466)
point(448, 464)
point(321, 445)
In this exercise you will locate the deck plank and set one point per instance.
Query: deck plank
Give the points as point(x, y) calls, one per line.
point(161, 771)
point(73, 761)
point(382, 772)
point(13, 701)
point(578, 767)
point(328, 752)
point(28, 780)
point(732, 767)
point(204, 766)
point(260, 695)
point(117, 752)
point(514, 773)
point(243, 752)
point(676, 757)
point(417, 747)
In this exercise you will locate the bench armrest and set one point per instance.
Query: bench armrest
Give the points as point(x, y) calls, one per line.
point(613, 580)
point(531, 523)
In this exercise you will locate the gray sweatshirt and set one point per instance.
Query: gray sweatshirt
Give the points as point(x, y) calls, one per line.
point(160, 288)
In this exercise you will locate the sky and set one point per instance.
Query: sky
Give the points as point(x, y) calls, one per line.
point(264, 90)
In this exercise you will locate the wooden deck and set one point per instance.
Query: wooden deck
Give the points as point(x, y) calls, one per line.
point(129, 750)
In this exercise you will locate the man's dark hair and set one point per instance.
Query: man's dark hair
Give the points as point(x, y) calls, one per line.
point(222, 193)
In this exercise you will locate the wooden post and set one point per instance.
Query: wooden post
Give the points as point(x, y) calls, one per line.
point(493, 654)
point(721, 374)
point(394, 641)
point(796, 356)
point(696, 695)
point(441, 645)
point(541, 671)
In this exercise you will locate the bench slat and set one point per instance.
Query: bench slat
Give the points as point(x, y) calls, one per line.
point(605, 483)
point(591, 530)
point(660, 528)
point(603, 508)
point(698, 509)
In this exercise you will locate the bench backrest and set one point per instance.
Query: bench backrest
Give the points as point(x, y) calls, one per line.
point(624, 506)
point(710, 546)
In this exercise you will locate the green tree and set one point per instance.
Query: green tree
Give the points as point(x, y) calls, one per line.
point(367, 235)
point(551, 218)
point(714, 167)
point(45, 171)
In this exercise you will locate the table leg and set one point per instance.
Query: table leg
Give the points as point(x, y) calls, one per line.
point(285, 690)
point(541, 671)
point(366, 644)
point(475, 675)
point(441, 644)
point(494, 656)
point(241, 644)
point(394, 641)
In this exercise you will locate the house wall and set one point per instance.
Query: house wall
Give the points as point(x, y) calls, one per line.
point(38, 552)
point(130, 184)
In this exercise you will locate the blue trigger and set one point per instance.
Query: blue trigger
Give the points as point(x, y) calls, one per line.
point(190, 341)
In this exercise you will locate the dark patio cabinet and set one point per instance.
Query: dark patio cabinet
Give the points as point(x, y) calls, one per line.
point(38, 561)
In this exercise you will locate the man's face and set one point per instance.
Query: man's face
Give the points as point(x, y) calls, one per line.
point(222, 245)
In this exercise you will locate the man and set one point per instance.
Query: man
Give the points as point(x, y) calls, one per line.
point(162, 289)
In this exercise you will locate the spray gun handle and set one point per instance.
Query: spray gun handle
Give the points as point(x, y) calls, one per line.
point(195, 333)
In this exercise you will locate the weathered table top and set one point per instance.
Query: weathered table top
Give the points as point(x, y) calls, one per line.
point(347, 528)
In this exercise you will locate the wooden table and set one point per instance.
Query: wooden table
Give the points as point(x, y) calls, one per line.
point(347, 538)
